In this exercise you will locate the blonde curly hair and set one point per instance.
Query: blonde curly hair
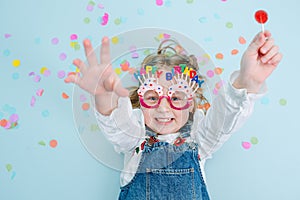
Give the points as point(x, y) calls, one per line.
point(168, 55)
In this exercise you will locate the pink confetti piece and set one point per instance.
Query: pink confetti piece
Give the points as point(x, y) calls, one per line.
point(90, 8)
point(82, 98)
point(246, 145)
point(14, 118)
point(61, 74)
point(62, 56)
point(104, 19)
point(55, 41)
point(101, 6)
point(37, 78)
point(47, 73)
point(32, 101)
point(7, 35)
point(39, 92)
point(73, 37)
point(159, 2)
point(210, 73)
point(135, 55)
point(31, 74)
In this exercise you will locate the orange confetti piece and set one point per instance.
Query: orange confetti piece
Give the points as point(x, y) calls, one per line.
point(64, 95)
point(3, 122)
point(219, 56)
point(218, 70)
point(53, 143)
point(85, 106)
point(234, 51)
point(242, 40)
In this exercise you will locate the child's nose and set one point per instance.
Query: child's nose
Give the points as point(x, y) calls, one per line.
point(164, 105)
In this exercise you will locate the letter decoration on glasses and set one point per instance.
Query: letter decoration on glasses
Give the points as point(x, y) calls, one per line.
point(179, 95)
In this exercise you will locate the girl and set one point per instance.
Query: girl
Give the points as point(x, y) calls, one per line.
point(164, 136)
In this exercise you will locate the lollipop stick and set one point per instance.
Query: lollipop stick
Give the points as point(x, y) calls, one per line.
point(262, 28)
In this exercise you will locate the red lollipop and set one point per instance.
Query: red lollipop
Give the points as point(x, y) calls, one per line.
point(261, 17)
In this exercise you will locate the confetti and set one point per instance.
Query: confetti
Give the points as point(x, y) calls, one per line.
point(53, 143)
point(85, 106)
point(62, 56)
point(42, 143)
point(74, 37)
point(104, 19)
point(242, 40)
point(283, 102)
point(64, 95)
point(16, 63)
point(124, 65)
point(229, 25)
point(7, 35)
point(234, 52)
point(32, 101)
point(219, 56)
point(254, 140)
point(54, 41)
point(218, 70)
point(39, 92)
point(9, 167)
point(159, 2)
point(246, 145)
point(61, 74)
point(210, 73)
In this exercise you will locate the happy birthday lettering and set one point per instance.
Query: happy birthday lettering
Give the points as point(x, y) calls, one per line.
point(179, 69)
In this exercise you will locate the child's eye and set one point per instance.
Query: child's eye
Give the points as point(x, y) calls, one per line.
point(153, 98)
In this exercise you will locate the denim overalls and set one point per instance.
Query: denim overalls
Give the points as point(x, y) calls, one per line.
point(167, 171)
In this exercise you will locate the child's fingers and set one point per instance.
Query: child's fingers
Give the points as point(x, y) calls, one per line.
point(80, 65)
point(72, 78)
point(105, 51)
point(275, 60)
point(270, 54)
point(114, 85)
point(258, 41)
point(90, 53)
point(267, 46)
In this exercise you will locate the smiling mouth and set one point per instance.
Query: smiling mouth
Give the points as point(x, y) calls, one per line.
point(164, 120)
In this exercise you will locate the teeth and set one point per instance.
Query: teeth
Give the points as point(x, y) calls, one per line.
point(163, 119)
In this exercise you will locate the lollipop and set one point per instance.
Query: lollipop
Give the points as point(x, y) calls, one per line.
point(261, 17)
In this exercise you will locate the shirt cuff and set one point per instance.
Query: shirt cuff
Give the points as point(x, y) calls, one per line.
point(124, 104)
point(243, 93)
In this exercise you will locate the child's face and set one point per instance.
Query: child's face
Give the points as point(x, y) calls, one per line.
point(164, 119)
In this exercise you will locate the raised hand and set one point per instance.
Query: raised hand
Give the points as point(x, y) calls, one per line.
point(258, 62)
point(98, 78)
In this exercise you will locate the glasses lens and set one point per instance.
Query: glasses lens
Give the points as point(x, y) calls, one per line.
point(151, 98)
point(179, 99)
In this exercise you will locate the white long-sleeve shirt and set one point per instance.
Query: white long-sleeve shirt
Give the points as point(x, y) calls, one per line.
point(125, 127)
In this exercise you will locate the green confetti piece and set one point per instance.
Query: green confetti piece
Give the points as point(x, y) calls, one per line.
point(229, 25)
point(117, 21)
point(86, 20)
point(9, 167)
point(92, 3)
point(190, 1)
point(42, 143)
point(254, 140)
point(283, 102)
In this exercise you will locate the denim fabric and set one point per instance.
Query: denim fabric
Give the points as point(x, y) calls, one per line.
point(167, 172)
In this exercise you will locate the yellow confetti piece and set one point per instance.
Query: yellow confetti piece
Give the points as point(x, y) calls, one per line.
point(43, 69)
point(118, 71)
point(16, 63)
point(115, 40)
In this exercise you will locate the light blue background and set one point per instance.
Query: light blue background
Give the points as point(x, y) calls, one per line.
point(268, 170)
